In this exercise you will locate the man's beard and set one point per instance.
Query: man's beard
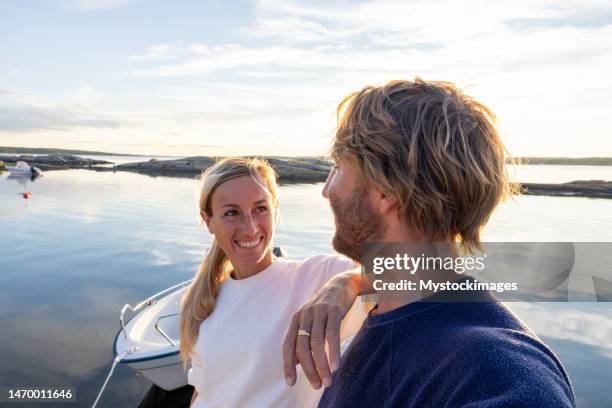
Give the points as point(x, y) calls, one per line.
point(356, 224)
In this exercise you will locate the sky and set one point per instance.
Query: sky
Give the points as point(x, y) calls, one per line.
point(184, 78)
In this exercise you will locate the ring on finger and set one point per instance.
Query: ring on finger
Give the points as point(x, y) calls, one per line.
point(303, 332)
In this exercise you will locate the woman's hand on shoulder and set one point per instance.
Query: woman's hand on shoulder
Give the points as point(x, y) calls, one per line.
point(321, 317)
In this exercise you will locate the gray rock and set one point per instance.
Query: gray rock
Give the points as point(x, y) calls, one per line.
point(287, 169)
point(54, 160)
point(578, 188)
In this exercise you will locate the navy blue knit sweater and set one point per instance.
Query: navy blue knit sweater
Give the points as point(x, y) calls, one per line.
point(441, 354)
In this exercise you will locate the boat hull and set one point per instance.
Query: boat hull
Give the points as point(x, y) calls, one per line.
point(18, 170)
point(166, 372)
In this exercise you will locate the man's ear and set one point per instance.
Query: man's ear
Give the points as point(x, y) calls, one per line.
point(206, 219)
point(386, 202)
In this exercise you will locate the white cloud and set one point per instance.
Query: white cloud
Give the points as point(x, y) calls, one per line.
point(398, 37)
point(94, 5)
point(338, 57)
point(423, 20)
point(169, 51)
point(541, 68)
point(84, 95)
point(21, 112)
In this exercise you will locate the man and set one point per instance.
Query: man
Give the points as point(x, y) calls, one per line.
point(419, 162)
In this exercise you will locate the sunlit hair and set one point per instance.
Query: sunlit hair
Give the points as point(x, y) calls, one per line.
point(433, 148)
point(199, 300)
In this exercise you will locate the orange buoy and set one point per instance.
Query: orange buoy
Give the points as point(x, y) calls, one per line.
point(27, 195)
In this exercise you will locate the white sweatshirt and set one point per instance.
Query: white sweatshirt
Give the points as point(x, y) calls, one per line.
point(237, 359)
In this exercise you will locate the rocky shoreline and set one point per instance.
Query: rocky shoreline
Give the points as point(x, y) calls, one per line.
point(53, 161)
point(298, 169)
point(578, 188)
point(289, 170)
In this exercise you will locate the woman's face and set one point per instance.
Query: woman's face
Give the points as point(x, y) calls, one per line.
point(242, 221)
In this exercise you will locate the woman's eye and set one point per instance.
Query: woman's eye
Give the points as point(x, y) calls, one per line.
point(261, 209)
point(230, 213)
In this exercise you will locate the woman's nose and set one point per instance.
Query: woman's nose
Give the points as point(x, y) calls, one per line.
point(248, 225)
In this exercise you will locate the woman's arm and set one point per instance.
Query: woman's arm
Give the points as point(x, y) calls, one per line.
point(321, 317)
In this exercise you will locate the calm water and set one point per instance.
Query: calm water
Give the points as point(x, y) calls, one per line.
point(86, 243)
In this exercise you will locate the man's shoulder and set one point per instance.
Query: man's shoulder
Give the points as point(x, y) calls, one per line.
point(500, 343)
point(512, 346)
point(478, 353)
point(466, 365)
point(512, 364)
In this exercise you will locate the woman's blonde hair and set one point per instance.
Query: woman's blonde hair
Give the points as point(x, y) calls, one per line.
point(199, 300)
point(433, 148)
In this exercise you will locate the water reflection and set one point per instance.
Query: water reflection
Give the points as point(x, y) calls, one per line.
point(89, 242)
point(579, 322)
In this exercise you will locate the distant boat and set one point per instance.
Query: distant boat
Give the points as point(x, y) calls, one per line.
point(23, 168)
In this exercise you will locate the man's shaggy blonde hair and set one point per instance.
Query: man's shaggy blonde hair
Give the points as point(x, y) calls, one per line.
point(435, 149)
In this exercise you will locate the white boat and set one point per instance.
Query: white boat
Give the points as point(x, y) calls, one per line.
point(149, 342)
point(24, 168)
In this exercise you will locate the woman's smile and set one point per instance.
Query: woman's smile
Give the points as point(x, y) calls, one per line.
point(249, 244)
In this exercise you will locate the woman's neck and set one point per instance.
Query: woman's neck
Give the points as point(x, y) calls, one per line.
point(248, 270)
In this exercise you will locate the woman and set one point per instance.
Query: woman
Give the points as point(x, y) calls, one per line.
point(238, 308)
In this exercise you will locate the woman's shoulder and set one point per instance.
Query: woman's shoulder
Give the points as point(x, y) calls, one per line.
point(307, 275)
point(326, 259)
point(323, 266)
point(327, 265)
